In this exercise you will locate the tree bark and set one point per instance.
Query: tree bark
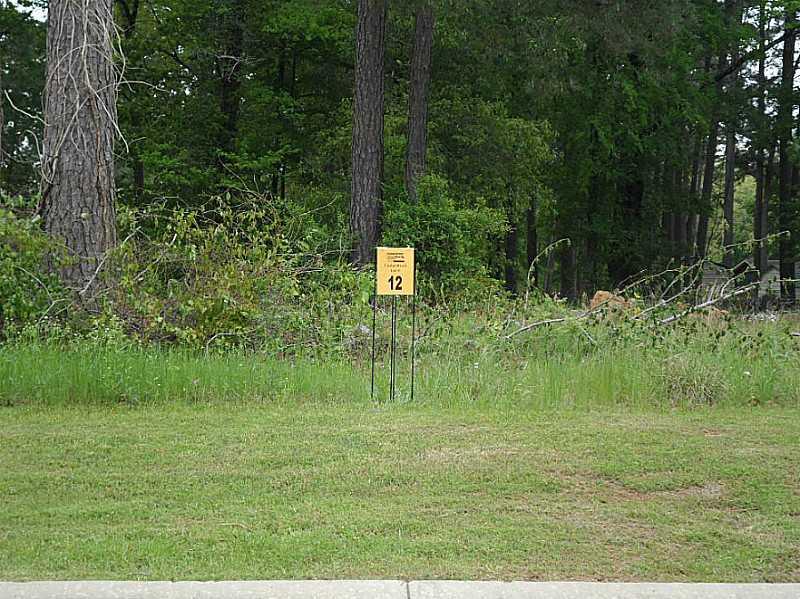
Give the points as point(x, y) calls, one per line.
point(708, 189)
point(785, 191)
point(129, 16)
point(512, 254)
point(420, 80)
point(532, 242)
point(569, 272)
point(368, 121)
point(734, 14)
point(730, 171)
point(78, 145)
point(760, 220)
point(2, 125)
point(229, 68)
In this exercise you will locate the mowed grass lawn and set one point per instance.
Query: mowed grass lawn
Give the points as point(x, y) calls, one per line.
point(244, 491)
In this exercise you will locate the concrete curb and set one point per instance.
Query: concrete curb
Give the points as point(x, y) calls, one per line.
point(389, 589)
point(589, 590)
point(340, 589)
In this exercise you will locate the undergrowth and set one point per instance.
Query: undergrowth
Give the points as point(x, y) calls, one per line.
point(224, 304)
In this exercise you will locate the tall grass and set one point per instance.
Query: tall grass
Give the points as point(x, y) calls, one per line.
point(555, 370)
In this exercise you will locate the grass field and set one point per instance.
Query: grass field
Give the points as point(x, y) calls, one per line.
point(623, 465)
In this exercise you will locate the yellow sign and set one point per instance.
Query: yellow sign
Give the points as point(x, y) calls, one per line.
point(395, 271)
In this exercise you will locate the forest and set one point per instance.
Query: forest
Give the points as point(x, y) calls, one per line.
point(167, 162)
point(597, 379)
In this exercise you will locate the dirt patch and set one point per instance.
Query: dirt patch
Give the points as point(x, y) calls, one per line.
point(448, 455)
point(712, 433)
point(608, 489)
point(710, 491)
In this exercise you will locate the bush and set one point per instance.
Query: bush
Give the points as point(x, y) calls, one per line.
point(224, 278)
point(450, 239)
point(27, 294)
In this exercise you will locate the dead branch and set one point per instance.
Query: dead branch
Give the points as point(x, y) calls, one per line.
point(541, 323)
point(708, 304)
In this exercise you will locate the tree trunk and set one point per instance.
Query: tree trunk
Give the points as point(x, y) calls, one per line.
point(734, 14)
point(694, 192)
point(569, 274)
point(708, 189)
point(420, 79)
point(229, 67)
point(760, 220)
point(78, 146)
point(532, 243)
point(730, 171)
point(512, 255)
point(367, 177)
point(785, 191)
point(692, 223)
point(768, 194)
point(2, 125)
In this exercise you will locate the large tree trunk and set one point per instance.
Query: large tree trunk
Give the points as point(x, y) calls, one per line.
point(735, 14)
point(760, 220)
point(420, 80)
point(367, 178)
point(78, 146)
point(785, 191)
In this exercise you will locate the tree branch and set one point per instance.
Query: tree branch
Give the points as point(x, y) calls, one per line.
point(739, 62)
point(708, 304)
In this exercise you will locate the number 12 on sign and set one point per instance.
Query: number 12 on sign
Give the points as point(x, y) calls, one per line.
point(395, 271)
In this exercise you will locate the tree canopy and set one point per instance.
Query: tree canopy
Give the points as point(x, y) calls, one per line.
point(600, 122)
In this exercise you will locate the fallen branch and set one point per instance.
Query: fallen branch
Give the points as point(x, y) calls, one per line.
point(540, 323)
point(708, 304)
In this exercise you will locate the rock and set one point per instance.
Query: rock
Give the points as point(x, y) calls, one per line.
point(362, 330)
point(606, 299)
point(359, 338)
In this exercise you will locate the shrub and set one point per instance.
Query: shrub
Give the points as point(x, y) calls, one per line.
point(27, 293)
point(450, 238)
point(224, 278)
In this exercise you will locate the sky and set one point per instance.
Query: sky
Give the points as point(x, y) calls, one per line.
point(40, 14)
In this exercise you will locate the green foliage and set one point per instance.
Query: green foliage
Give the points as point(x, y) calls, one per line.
point(27, 294)
point(451, 239)
point(584, 115)
point(222, 278)
point(22, 39)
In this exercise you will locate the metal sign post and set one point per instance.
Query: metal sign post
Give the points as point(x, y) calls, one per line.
point(395, 276)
